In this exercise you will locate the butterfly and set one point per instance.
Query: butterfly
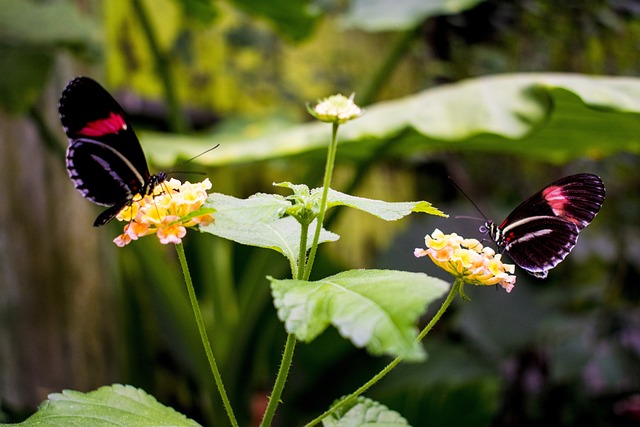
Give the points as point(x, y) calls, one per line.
point(104, 159)
point(543, 229)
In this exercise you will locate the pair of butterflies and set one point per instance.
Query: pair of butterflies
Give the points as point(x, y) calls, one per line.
point(107, 166)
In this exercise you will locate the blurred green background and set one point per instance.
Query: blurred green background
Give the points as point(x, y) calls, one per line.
point(498, 95)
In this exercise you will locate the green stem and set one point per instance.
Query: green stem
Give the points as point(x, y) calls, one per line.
point(349, 399)
point(302, 255)
point(328, 172)
point(303, 273)
point(177, 122)
point(203, 334)
point(385, 70)
point(281, 379)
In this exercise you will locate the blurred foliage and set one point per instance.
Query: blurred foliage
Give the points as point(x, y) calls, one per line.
point(31, 35)
point(563, 351)
point(526, 114)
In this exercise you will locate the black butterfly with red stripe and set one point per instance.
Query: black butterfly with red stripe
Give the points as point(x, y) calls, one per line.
point(104, 159)
point(543, 229)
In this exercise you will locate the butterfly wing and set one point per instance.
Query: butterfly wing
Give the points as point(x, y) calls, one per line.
point(543, 229)
point(104, 159)
point(575, 198)
point(539, 243)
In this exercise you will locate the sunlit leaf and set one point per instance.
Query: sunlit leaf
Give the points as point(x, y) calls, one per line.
point(375, 309)
point(553, 117)
point(116, 405)
point(389, 211)
point(364, 412)
point(256, 221)
point(398, 15)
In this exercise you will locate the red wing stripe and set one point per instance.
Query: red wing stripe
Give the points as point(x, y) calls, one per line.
point(111, 125)
point(554, 195)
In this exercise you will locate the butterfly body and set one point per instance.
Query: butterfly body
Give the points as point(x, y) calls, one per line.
point(543, 229)
point(104, 159)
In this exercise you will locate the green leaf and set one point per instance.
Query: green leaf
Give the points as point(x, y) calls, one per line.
point(116, 405)
point(293, 19)
point(376, 309)
point(549, 116)
point(257, 221)
point(389, 211)
point(384, 15)
point(38, 23)
point(30, 32)
point(364, 412)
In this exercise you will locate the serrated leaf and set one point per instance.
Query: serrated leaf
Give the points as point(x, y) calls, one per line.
point(389, 211)
point(260, 207)
point(365, 412)
point(525, 114)
point(375, 309)
point(116, 405)
point(256, 221)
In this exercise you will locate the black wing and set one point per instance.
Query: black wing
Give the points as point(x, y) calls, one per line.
point(543, 229)
point(575, 198)
point(101, 174)
point(102, 143)
point(104, 159)
point(539, 243)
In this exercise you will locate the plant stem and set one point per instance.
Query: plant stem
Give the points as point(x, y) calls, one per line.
point(303, 272)
point(177, 122)
point(390, 63)
point(347, 400)
point(281, 379)
point(328, 172)
point(203, 334)
point(287, 354)
point(302, 255)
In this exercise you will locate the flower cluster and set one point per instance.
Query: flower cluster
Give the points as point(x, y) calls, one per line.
point(336, 109)
point(468, 260)
point(166, 213)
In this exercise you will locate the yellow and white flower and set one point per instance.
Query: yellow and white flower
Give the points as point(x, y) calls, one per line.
point(468, 260)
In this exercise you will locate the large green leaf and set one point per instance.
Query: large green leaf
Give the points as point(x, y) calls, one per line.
point(398, 15)
point(256, 221)
point(365, 412)
point(115, 405)
point(376, 309)
point(389, 211)
point(553, 117)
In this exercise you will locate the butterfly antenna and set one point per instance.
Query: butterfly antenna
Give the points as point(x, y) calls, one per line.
point(192, 159)
point(483, 228)
point(201, 154)
point(469, 199)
